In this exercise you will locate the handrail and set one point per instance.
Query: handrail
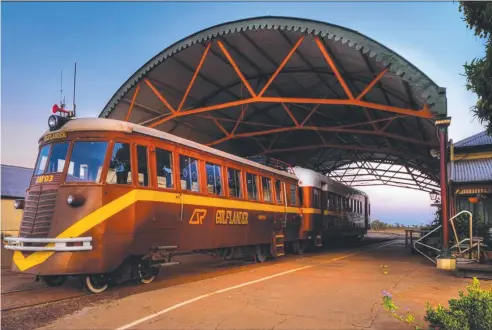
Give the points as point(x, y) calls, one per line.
point(458, 242)
point(430, 247)
point(471, 229)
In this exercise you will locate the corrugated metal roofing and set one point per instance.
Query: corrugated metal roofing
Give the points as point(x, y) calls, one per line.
point(15, 181)
point(428, 90)
point(478, 139)
point(475, 170)
point(258, 47)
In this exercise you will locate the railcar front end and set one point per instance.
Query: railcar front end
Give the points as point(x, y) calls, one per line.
point(72, 223)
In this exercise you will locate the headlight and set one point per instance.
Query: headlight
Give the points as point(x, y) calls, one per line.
point(19, 204)
point(53, 122)
point(75, 200)
point(56, 122)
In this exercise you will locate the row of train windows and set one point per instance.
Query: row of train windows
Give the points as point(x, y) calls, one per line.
point(344, 203)
point(337, 202)
point(120, 173)
point(87, 158)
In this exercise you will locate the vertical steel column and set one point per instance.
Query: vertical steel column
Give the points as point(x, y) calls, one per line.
point(442, 126)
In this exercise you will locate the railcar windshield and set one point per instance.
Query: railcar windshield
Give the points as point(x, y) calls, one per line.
point(42, 160)
point(52, 158)
point(85, 164)
point(86, 161)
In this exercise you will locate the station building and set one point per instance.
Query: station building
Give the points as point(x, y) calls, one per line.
point(15, 181)
point(470, 176)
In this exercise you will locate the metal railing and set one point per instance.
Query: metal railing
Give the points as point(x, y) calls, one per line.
point(458, 245)
point(427, 246)
point(458, 242)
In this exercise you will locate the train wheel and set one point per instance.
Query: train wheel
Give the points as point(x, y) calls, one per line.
point(298, 247)
point(54, 280)
point(147, 274)
point(95, 283)
point(260, 254)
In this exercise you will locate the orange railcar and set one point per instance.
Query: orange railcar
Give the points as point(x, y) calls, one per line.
point(111, 201)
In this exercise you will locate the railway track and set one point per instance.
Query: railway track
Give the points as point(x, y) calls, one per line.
point(21, 290)
point(23, 298)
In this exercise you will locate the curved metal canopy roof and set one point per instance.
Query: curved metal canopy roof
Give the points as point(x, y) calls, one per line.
point(306, 92)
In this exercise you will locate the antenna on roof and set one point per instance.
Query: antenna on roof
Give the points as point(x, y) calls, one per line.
point(62, 98)
point(61, 108)
point(74, 80)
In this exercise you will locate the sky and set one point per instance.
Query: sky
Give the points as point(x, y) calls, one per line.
point(110, 41)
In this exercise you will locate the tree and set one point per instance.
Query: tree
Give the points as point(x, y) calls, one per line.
point(478, 17)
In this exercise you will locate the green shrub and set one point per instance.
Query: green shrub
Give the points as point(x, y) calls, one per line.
point(468, 312)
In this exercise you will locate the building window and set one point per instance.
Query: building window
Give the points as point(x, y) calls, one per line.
point(143, 166)
point(188, 167)
point(119, 171)
point(267, 189)
point(164, 165)
point(214, 179)
point(234, 181)
point(252, 186)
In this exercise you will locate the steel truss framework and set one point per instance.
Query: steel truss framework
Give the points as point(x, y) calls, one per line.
point(366, 173)
point(335, 126)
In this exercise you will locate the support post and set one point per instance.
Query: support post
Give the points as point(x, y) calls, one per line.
point(444, 260)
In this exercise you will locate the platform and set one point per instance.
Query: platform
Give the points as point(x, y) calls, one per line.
point(474, 269)
point(335, 289)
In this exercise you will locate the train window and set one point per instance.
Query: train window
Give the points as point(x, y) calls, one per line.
point(86, 161)
point(328, 201)
point(189, 173)
point(214, 179)
point(56, 163)
point(267, 189)
point(119, 171)
point(164, 165)
point(252, 185)
point(279, 194)
point(315, 198)
point(42, 159)
point(234, 181)
point(143, 166)
point(293, 195)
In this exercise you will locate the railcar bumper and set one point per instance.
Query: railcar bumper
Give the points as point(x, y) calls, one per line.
point(51, 244)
